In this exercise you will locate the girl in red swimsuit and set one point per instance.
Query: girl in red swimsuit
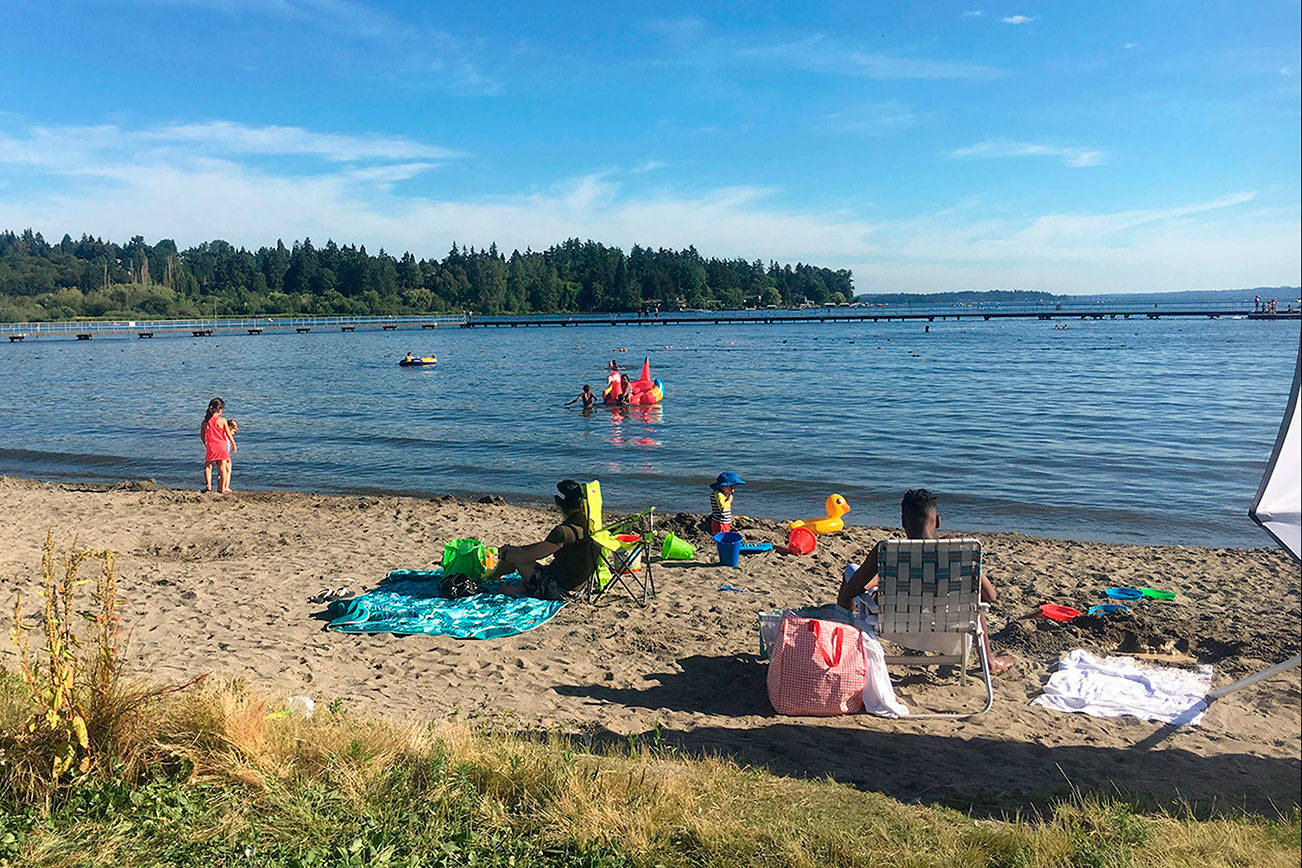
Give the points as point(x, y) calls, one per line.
point(217, 443)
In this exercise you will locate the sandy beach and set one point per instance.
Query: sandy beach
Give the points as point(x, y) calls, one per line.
point(219, 584)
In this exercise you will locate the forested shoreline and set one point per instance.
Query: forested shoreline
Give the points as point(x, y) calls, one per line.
point(90, 277)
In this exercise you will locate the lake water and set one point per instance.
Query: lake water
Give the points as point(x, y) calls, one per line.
point(1123, 430)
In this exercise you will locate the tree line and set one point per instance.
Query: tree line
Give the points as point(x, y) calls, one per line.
point(90, 277)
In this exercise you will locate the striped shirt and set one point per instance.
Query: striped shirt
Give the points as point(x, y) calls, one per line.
point(720, 507)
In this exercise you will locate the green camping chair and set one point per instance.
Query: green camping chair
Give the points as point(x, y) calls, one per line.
point(626, 562)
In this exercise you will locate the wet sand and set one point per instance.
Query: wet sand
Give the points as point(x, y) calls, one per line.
point(220, 584)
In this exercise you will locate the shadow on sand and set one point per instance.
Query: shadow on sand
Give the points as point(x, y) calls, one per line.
point(975, 771)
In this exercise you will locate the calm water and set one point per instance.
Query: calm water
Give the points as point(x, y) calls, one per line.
point(1114, 430)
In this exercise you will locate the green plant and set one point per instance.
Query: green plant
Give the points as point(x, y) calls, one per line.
point(83, 716)
point(57, 731)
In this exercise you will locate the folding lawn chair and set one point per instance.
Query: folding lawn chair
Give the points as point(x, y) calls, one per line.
point(626, 562)
point(928, 598)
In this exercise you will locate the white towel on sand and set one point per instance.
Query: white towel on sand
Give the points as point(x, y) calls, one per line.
point(1118, 686)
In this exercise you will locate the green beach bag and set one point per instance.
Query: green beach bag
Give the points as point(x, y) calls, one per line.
point(465, 557)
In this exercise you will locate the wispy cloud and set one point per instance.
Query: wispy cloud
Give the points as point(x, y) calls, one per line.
point(825, 55)
point(972, 13)
point(679, 31)
point(243, 138)
point(430, 56)
point(68, 147)
point(693, 44)
point(873, 120)
point(1018, 19)
point(1074, 157)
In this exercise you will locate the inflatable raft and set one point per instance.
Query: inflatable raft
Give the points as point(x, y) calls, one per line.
point(642, 391)
point(424, 360)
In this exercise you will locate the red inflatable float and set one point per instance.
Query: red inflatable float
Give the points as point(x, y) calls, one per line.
point(642, 391)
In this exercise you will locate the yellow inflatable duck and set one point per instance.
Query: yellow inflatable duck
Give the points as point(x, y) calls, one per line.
point(836, 507)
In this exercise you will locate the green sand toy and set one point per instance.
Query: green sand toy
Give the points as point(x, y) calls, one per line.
point(676, 549)
point(1155, 594)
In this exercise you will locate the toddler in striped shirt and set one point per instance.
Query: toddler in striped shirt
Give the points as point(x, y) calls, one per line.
point(721, 501)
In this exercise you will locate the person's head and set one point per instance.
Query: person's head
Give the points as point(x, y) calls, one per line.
point(918, 514)
point(623, 379)
point(586, 388)
point(570, 498)
point(727, 482)
point(614, 366)
point(233, 426)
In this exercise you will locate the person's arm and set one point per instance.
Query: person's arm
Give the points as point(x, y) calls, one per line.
point(534, 552)
point(864, 579)
point(572, 400)
point(988, 592)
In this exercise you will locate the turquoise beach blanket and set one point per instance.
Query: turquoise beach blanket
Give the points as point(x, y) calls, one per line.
point(410, 601)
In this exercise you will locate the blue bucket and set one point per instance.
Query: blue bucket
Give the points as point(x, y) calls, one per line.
point(729, 543)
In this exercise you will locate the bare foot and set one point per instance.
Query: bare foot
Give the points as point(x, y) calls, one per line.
point(1002, 663)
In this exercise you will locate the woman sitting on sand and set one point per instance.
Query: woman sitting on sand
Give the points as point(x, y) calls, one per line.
point(568, 541)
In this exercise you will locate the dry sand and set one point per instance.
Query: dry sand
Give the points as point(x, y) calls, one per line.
point(220, 584)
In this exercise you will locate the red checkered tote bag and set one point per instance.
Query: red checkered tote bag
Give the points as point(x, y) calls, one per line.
point(817, 668)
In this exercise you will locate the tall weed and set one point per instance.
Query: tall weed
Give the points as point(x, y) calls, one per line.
point(83, 718)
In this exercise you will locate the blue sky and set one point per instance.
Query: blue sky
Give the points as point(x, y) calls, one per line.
point(1070, 147)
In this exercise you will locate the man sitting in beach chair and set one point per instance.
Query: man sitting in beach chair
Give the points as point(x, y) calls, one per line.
point(568, 542)
point(920, 519)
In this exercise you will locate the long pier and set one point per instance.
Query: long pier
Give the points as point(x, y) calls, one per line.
point(755, 317)
point(85, 330)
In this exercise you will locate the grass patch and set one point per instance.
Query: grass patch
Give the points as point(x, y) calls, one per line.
point(240, 785)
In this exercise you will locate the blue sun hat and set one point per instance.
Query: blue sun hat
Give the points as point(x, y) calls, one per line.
point(727, 477)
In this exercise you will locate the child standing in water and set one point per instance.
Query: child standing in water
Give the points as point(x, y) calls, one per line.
point(218, 441)
point(721, 490)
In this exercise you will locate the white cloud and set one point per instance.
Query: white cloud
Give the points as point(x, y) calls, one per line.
point(1073, 157)
point(820, 54)
point(242, 138)
point(64, 148)
point(648, 166)
point(1216, 244)
point(97, 179)
point(427, 56)
point(972, 13)
point(874, 120)
point(693, 46)
point(1130, 46)
point(1018, 19)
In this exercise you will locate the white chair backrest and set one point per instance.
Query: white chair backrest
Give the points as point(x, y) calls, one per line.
point(928, 586)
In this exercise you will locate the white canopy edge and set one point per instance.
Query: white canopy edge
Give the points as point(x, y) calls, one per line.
point(1278, 505)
